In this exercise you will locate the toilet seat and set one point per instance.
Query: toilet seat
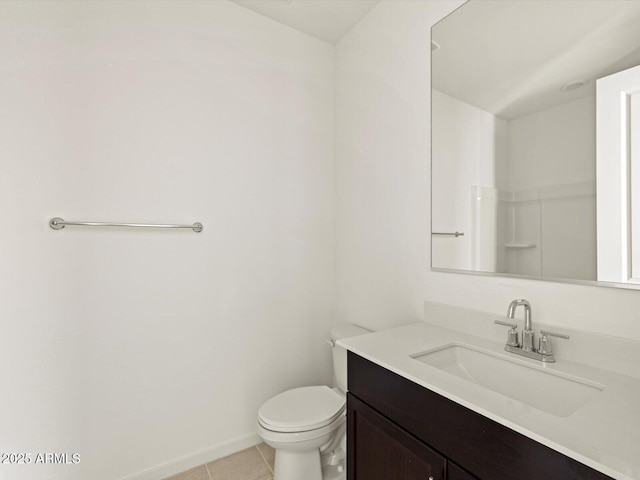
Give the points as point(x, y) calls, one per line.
point(301, 409)
point(298, 438)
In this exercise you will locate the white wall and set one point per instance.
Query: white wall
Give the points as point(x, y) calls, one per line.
point(136, 348)
point(382, 147)
point(554, 146)
point(382, 169)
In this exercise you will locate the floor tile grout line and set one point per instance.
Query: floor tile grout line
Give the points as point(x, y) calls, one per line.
point(206, 467)
point(264, 459)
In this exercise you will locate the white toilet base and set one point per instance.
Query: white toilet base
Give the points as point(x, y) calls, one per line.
point(298, 453)
point(293, 466)
point(297, 465)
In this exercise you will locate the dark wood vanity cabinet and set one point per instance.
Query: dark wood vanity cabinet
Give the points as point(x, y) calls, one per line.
point(385, 451)
point(397, 429)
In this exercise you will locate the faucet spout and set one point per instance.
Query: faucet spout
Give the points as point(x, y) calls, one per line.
point(527, 311)
point(527, 331)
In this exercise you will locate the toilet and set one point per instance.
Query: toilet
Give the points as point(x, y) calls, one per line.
point(307, 426)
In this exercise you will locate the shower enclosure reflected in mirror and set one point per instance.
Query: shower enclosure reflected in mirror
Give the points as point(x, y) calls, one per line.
point(514, 151)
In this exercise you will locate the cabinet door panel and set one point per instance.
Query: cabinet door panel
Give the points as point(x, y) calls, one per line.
point(380, 450)
point(454, 472)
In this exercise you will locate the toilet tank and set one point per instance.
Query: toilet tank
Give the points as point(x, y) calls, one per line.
point(338, 332)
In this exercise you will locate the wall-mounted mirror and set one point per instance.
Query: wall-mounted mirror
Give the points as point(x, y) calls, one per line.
point(521, 156)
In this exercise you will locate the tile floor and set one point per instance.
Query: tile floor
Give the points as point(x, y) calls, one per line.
point(255, 463)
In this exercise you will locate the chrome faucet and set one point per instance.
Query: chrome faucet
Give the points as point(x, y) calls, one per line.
point(543, 353)
point(527, 331)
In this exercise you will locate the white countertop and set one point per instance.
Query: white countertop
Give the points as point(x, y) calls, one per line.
point(603, 434)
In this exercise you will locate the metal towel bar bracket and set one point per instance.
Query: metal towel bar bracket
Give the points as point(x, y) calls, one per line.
point(58, 224)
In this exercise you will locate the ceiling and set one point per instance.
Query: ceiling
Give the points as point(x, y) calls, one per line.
point(328, 20)
point(513, 58)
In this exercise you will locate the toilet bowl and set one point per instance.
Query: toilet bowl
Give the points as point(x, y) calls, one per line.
point(307, 426)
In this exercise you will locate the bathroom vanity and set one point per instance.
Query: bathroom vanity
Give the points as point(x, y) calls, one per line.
point(396, 428)
point(410, 419)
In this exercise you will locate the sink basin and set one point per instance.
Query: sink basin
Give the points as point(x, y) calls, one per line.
point(550, 391)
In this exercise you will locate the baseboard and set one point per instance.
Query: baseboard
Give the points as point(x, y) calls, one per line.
point(196, 459)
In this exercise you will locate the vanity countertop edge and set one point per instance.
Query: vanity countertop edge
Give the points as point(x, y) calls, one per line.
point(604, 434)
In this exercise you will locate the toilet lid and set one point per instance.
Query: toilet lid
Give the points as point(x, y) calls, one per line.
point(301, 409)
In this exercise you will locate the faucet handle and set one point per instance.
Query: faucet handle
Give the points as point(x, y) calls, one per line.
point(554, 334)
point(512, 339)
point(544, 347)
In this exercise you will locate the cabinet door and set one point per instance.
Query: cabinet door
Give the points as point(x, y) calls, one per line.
point(454, 472)
point(380, 450)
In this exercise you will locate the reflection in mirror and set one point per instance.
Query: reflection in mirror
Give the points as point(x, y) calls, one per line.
point(514, 137)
